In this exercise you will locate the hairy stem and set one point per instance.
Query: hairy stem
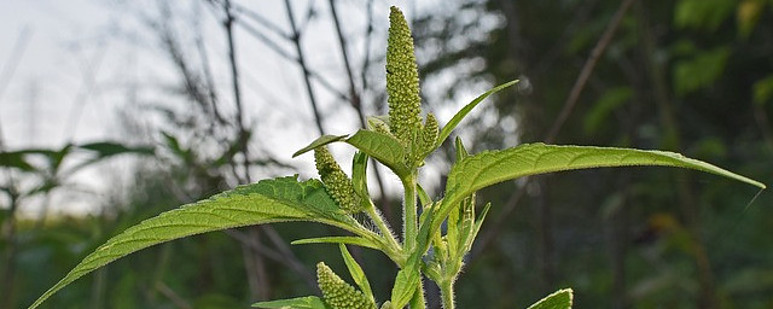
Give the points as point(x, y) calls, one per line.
point(386, 232)
point(447, 293)
point(410, 223)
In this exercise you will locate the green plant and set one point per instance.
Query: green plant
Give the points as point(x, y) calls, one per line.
point(401, 142)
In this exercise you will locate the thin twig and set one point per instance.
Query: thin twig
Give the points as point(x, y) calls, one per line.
point(587, 70)
point(254, 32)
point(173, 296)
point(228, 24)
point(296, 38)
point(261, 20)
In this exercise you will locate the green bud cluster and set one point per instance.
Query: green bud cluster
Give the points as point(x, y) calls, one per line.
point(337, 293)
point(378, 125)
point(429, 135)
point(336, 182)
point(402, 79)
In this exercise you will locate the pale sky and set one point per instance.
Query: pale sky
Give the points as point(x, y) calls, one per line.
point(79, 58)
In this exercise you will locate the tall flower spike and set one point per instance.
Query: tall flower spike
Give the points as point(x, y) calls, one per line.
point(337, 293)
point(402, 79)
point(337, 184)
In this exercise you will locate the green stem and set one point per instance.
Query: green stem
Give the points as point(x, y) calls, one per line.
point(447, 293)
point(410, 223)
point(418, 301)
point(386, 232)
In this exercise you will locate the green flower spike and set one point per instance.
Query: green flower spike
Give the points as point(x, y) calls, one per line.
point(402, 80)
point(337, 293)
point(429, 135)
point(337, 184)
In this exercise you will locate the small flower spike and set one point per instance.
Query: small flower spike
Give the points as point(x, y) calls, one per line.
point(337, 293)
point(429, 135)
point(336, 182)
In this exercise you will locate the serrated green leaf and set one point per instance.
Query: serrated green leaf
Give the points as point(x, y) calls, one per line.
point(276, 200)
point(356, 272)
point(384, 148)
point(561, 299)
point(349, 240)
point(320, 141)
point(491, 167)
point(308, 302)
point(451, 125)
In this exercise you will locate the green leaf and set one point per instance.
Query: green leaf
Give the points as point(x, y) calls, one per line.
point(562, 299)
point(359, 175)
point(277, 200)
point(308, 302)
point(405, 285)
point(384, 148)
point(763, 90)
point(108, 149)
point(605, 105)
point(321, 141)
point(349, 240)
point(357, 274)
point(451, 125)
point(490, 167)
point(424, 198)
point(409, 278)
point(15, 159)
point(701, 71)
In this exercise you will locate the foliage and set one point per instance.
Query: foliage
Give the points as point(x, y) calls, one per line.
point(425, 249)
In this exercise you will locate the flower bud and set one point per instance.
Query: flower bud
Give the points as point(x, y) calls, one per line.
point(429, 134)
point(336, 182)
point(337, 293)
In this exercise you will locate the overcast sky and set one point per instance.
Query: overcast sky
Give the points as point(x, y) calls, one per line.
point(67, 68)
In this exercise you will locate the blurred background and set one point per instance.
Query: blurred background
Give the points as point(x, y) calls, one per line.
point(113, 111)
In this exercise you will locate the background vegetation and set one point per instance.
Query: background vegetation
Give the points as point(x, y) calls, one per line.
point(692, 76)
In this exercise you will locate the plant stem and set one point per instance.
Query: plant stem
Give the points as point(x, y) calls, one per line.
point(447, 293)
point(378, 219)
point(410, 223)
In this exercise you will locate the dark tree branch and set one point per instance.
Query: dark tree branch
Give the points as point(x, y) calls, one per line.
point(296, 38)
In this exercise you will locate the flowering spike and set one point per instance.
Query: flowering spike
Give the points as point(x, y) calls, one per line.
point(429, 134)
point(337, 293)
point(402, 79)
point(378, 125)
point(337, 184)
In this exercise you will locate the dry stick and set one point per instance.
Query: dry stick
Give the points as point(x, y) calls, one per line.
point(176, 299)
point(260, 272)
point(261, 20)
point(569, 105)
point(229, 21)
point(286, 55)
point(205, 65)
point(296, 38)
point(355, 99)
